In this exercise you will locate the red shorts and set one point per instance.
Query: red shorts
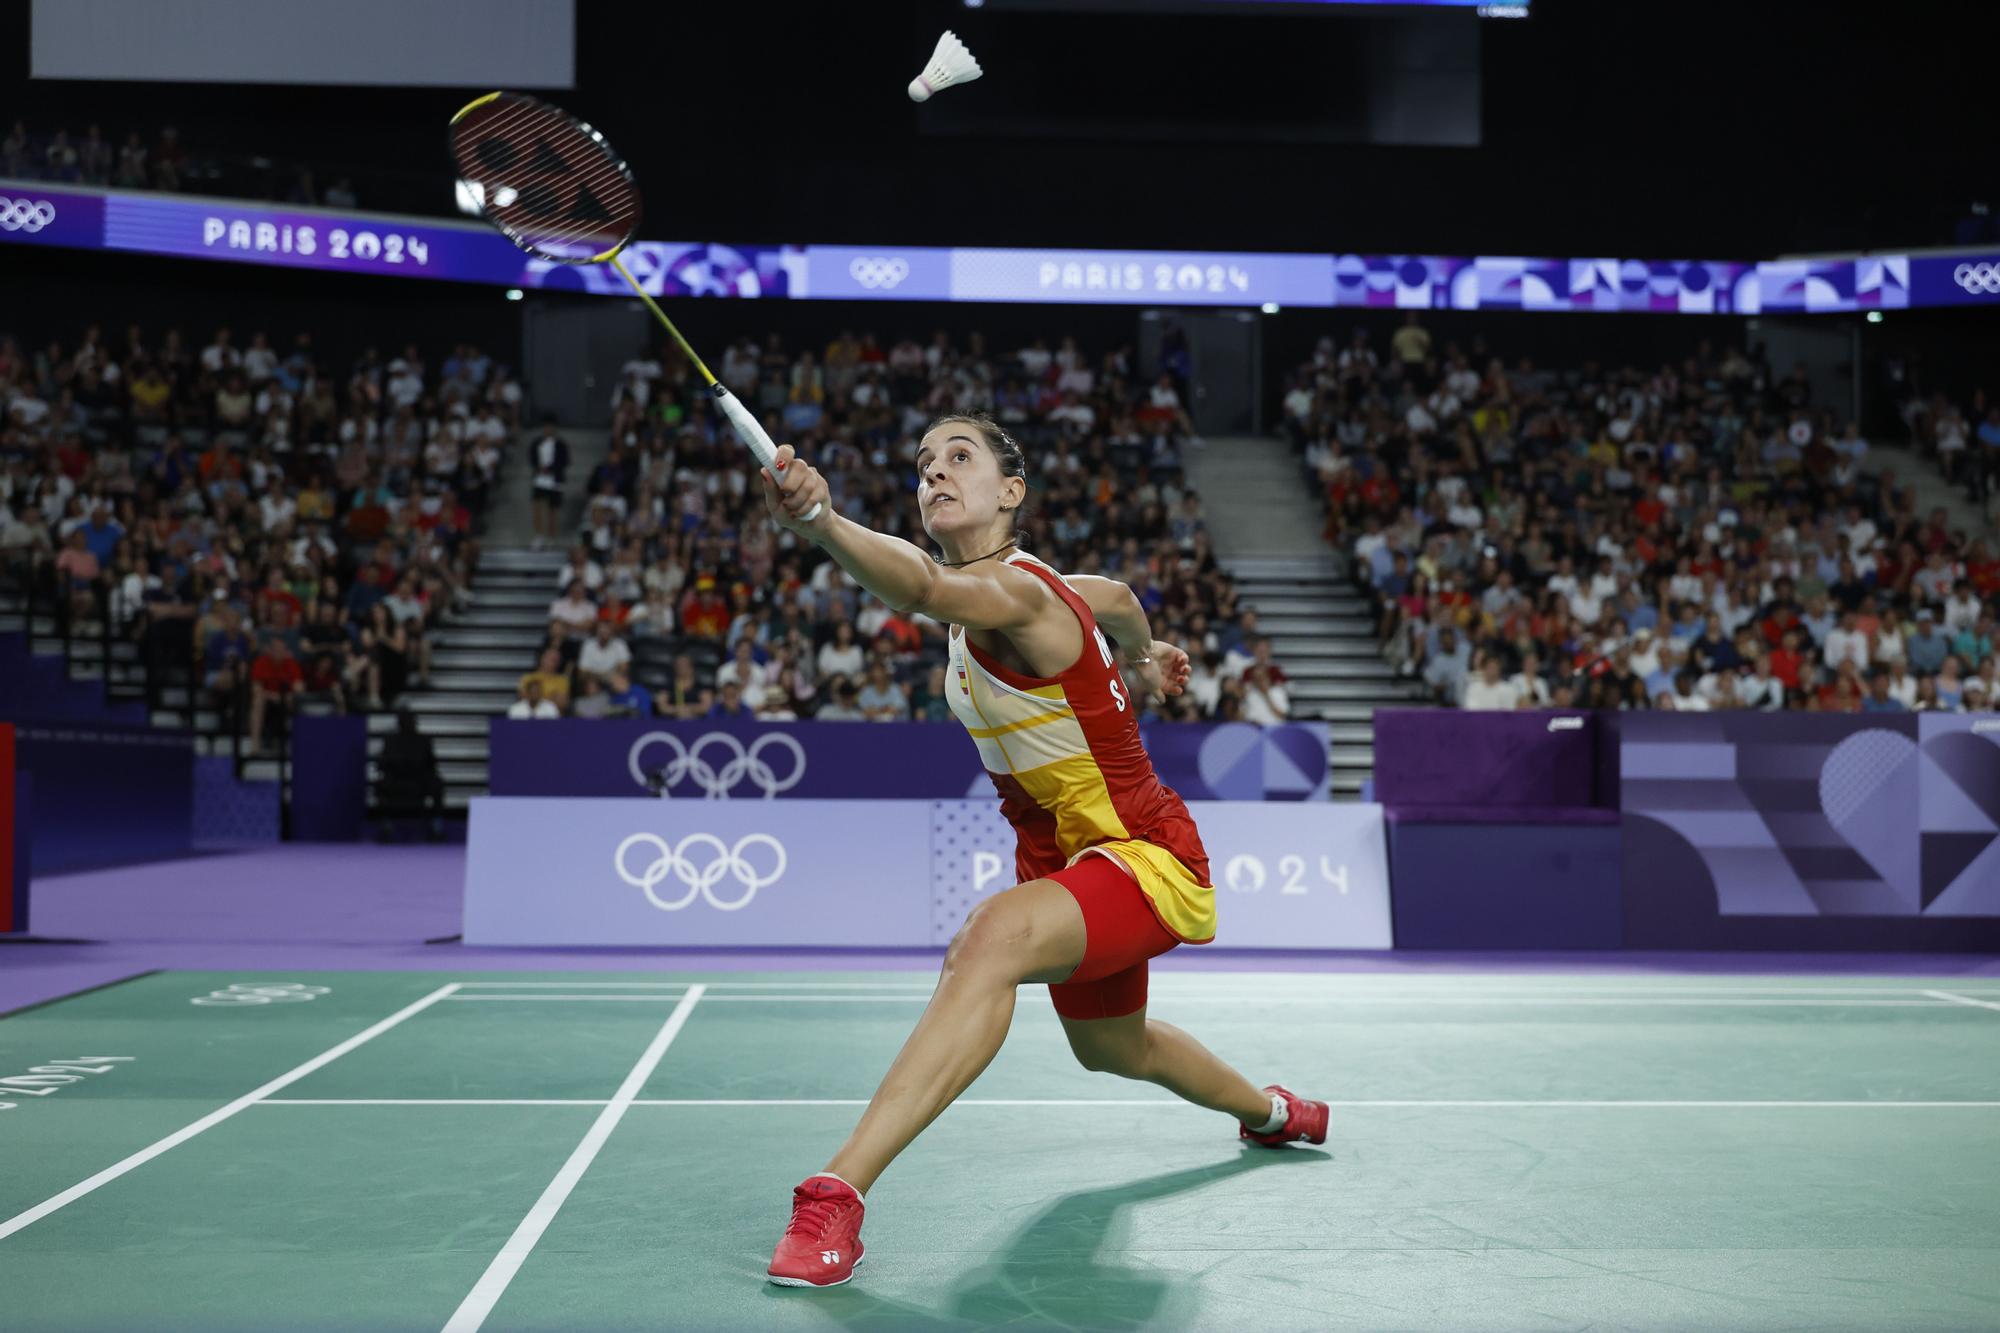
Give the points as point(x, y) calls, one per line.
point(1120, 934)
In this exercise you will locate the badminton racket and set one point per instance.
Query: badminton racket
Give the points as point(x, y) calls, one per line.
point(555, 188)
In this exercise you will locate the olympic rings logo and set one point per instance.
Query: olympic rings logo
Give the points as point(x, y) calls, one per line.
point(679, 862)
point(878, 273)
point(1978, 278)
point(29, 215)
point(688, 764)
point(247, 994)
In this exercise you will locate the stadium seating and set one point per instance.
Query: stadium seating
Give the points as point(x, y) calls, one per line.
point(1700, 536)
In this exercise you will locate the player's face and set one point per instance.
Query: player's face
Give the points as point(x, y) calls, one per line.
point(960, 488)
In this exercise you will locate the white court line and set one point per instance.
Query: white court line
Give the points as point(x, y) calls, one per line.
point(1364, 1104)
point(1276, 980)
point(1032, 996)
point(1962, 999)
point(217, 1116)
point(433, 1101)
point(492, 1284)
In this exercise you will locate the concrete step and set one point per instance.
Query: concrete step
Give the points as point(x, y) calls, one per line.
point(1354, 756)
point(483, 704)
point(449, 770)
point(520, 619)
point(1344, 624)
point(434, 724)
point(444, 747)
point(1306, 613)
point(487, 599)
point(457, 681)
point(522, 557)
point(1337, 668)
point(460, 635)
point(1294, 647)
point(1257, 568)
point(1347, 715)
point(1383, 693)
point(513, 657)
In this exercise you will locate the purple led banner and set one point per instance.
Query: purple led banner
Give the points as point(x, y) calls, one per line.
point(35, 214)
point(1141, 277)
point(210, 229)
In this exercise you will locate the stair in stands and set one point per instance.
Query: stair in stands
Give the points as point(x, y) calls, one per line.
point(1264, 517)
point(477, 656)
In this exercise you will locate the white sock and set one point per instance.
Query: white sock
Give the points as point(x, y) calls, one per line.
point(1279, 1114)
point(831, 1176)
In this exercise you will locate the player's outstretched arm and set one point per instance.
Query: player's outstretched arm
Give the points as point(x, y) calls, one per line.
point(994, 596)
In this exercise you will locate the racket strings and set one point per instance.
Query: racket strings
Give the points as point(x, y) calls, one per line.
point(547, 181)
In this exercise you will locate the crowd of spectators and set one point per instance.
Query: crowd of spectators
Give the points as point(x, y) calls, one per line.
point(267, 528)
point(680, 599)
point(1962, 436)
point(1698, 536)
point(156, 161)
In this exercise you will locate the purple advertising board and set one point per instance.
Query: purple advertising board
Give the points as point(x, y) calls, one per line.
point(1750, 830)
point(716, 760)
point(35, 213)
point(881, 874)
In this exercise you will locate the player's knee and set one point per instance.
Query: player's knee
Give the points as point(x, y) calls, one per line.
point(994, 937)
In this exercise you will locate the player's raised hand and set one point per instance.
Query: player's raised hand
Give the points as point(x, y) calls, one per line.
point(791, 490)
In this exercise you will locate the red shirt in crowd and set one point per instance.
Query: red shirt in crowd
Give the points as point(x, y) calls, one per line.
point(704, 614)
point(276, 674)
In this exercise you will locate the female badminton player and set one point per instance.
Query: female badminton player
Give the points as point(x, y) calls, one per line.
point(1112, 870)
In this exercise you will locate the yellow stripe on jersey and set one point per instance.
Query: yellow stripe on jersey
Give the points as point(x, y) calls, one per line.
point(1074, 791)
point(985, 733)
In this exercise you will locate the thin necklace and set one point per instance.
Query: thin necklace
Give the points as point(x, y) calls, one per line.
point(961, 564)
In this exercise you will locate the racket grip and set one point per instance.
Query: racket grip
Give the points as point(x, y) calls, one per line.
point(750, 432)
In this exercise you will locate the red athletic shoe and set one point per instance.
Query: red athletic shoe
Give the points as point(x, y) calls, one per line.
point(823, 1244)
point(1305, 1122)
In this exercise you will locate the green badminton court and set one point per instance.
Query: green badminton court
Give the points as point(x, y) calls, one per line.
point(502, 1151)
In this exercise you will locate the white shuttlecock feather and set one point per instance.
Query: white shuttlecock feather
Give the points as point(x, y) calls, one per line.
point(951, 63)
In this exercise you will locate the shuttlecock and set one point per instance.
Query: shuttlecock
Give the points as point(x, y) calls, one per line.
point(950, 63)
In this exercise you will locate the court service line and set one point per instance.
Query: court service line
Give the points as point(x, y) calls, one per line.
point(217, 1116)
point(1352, 1104)
point(492, 1284)
point(1271, 998)
point(1963, 999)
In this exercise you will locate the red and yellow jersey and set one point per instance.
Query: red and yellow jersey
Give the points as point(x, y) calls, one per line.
point(1073, 778)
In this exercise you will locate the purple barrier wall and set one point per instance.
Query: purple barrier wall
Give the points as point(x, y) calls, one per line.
point(866, 761)
point(329, 778)
point(879, 874)
point(1811, 830)
point(1506, 886)
point(106, 794)
point(1486, 762)
point(1500, 835)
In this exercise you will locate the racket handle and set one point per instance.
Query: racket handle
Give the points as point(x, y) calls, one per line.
point(747, 430)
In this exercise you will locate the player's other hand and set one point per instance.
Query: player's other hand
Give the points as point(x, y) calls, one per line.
point(1166, 674)
point(791, 489)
